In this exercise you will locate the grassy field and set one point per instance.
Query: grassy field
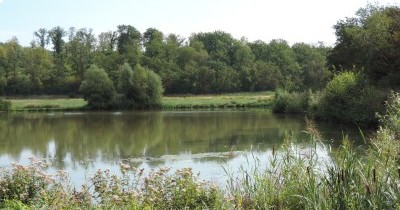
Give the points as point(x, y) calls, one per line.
point(234, 100)
point(47, 104)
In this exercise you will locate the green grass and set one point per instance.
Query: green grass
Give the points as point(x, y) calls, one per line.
point(47, 104)
point(233, 100)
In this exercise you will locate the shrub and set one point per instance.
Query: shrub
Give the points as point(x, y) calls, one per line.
point(294, 102)
point(5, 105)
point(23, 183)
point(155, 89)
point(97, 88)
point(348, 97)
point(140, 87)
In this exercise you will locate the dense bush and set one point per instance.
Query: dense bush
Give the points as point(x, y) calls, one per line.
point(294, 102)
point(348, 97)
point(5, 105)
point(97, 88)
point(140, 87)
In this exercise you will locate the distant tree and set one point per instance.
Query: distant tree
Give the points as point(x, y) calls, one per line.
point(125, 83)
point(314, 72)
point(80, 51)
point(218, 44)
point(106, 55)
point(58, 81)
point(153, 42)
point(243, 62)
point(155, 89)
point(37, 66)
point(141, 87)
point(129, 44)
point(42, 37)
point(97, 89)
point(107, 41)
point(56, 36)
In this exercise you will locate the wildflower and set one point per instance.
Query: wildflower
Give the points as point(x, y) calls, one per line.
point(116, 198)
point(124, 166)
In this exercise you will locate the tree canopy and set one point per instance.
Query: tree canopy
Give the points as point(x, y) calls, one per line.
point(208, 62)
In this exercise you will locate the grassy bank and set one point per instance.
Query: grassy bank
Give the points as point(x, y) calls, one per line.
point(235, 100)
point(295, 179)
point(47, 104)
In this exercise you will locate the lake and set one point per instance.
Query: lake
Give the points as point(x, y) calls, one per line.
point(207, 141)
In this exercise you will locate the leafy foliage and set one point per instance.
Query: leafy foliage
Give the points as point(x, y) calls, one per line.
point(141, 87)
point(211, 62)
point(370, 41)
point(348, 97)
point(97, 88)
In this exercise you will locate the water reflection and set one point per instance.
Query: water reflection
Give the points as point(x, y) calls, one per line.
point(80, 142)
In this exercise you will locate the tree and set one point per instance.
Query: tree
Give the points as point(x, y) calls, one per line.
point(37, 66)
point(243, 62)
point(97, 89)
point(313, 68)
point(80, 50)
point(58, 83)
point(56, 37)
point(218, 44)
point(370, 42)
point(141, 87)
point(129, 44)
point(153, 41)
point(42, 37)
point(155, 90)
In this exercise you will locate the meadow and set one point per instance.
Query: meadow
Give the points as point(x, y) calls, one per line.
point(233, 100)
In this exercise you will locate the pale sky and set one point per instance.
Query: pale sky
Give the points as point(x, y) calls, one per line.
point(307, 21)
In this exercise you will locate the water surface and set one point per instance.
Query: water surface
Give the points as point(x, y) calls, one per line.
point(206, 141)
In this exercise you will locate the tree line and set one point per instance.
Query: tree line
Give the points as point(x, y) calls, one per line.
point(365, 63)
point(211, 62)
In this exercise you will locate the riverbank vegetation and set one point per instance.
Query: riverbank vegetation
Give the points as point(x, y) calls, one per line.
point(364, 62)
point(228, 100)
point(291, 180)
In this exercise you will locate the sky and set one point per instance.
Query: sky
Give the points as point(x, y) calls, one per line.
point(308, 21)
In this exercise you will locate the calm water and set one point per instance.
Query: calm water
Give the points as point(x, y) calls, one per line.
point(206, 141)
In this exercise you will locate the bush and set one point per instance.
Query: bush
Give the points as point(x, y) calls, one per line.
point(23, 183)
point(349, 98)
point(5, 105)
point(97, 88)
point(294, 102)
point(140, 87)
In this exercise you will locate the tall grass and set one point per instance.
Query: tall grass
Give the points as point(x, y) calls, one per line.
point(296, 178)
point(350, 181)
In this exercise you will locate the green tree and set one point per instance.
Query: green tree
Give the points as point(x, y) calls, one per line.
point(129, 44)
point(97, 89)
point(370, 42)
point(314, 72)
point(243, 62)
point(37, 66)
point(42, 37)
point(80, 50)
point(58, 82)
point(140, 87)
point(155, 89)
point(348, 97)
